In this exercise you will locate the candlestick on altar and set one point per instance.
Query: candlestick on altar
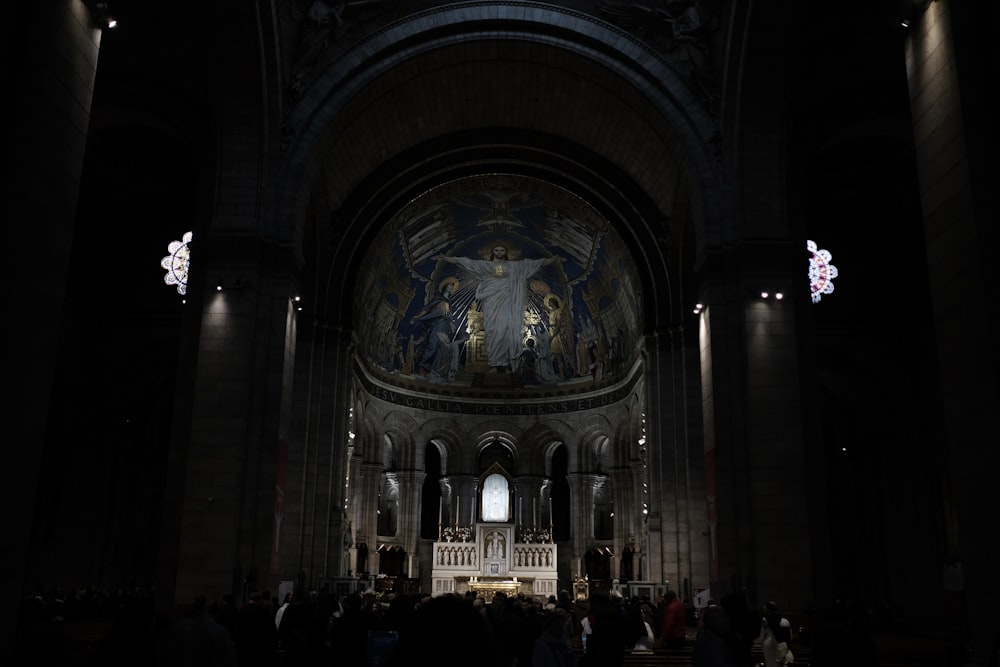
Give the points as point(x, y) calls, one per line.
point(534, 513)
point(458, 504)
point(440, 509)
point(520, 512)
point(551, 523)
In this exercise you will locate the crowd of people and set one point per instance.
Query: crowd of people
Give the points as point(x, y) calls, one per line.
point(384, 630)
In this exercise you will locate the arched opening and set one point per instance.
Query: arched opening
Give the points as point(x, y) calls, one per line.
point(432, 503)
point(388, 505)
point(597, 567)
point(626, 569)
point(560, 495)
point(604, 510)
point(391, 561)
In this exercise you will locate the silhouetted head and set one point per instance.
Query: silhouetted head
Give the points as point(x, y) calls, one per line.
point(449, 624)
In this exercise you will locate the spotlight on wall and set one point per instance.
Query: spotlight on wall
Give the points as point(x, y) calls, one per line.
point(101, 11)
point(698, 307)
point(911, 10)
point(234, 285)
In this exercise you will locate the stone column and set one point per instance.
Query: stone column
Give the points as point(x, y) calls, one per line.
point(581, 490)
point(367, 499)
point(528, 489)
point(464, 500)
point(319, 466)
point(624, 491)
point(755, 447)
point(238, 416)
point(408, 521)
point(50, 61)
point(674, 452)
point(956, 142)
point(446, 502)
point(661, 424)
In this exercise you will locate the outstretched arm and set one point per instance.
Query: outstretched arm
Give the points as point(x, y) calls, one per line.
point(445, 258)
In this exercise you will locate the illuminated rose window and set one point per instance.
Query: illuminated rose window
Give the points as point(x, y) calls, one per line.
point(177, 263)
point(821, 271)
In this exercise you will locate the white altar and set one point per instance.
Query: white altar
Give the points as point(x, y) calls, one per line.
point(489, 560)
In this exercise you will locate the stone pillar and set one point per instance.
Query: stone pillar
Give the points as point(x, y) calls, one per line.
point(757, 482)
point(528, 490)
point(408, 523)
point(355, 501)
point(333, 427)
point(956, 141)
point(581, 491)
point(367, 499)
point(674, 453)
point(239, 414)
point(464, 500)
point(446, 495)
point(318, 461)
point(50, 53)
point(548, 522)
point(624, 491)
point(661, 426)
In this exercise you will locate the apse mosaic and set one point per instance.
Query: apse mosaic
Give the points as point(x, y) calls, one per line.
point(499, 274)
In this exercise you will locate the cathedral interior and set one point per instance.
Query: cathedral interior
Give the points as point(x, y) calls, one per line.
point(699, 284)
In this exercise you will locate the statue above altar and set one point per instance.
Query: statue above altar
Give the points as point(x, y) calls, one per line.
point(494, 545)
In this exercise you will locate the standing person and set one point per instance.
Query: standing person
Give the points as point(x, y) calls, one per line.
point(674, 633)
point(501, 293)
point(552, 648)
point(447, 625)
point(303, 629)
point(717, 645)
point(658, 611)
point(348, 632)
point(256, 637)
point(776, 653)
point(782, 632)
point(281, 611)
point(641, 630)
point(227, 615)
point(196, 639)
point(608, 636)
point(510, 627)
point(743, 625)
point(565, 601)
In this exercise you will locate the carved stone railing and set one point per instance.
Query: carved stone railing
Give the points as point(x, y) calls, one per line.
point(528, 568)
